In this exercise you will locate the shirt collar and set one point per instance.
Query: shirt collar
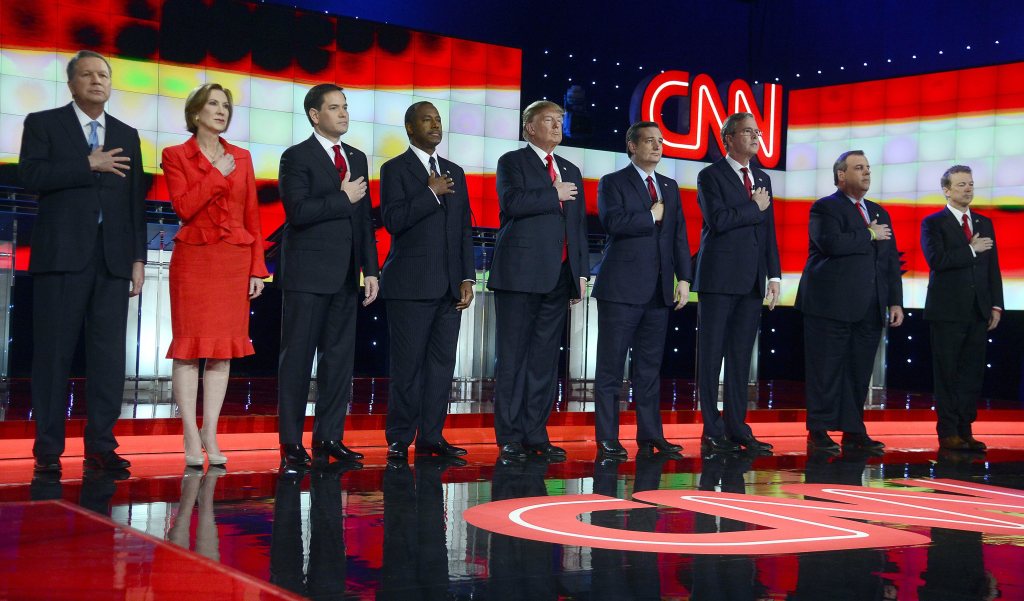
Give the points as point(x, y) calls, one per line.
point(958, 213)
point(327, 144)
point(540, 153)
point(736, 166)
point(86, 119)
point(643, 174)
point(852, 199)
point(425, 158)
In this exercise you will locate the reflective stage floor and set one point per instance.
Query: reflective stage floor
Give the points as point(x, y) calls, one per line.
point(397, 530)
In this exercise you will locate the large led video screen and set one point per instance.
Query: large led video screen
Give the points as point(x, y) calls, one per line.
point(912, 129)
point(269, 56)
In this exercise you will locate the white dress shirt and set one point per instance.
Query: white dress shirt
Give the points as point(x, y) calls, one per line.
point(85, 120)
point(329, 149)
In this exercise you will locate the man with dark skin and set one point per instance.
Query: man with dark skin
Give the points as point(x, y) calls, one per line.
point(427, 281)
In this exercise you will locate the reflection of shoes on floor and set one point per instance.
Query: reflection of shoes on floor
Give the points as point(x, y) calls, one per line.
point(398, 450)
point(106, 474)
point(438, 463)
point(859, 454)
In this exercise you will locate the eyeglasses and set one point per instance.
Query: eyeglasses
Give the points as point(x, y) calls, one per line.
point(755, 133)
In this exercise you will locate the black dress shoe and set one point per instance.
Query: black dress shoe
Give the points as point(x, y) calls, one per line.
point(858, 440)
point(718, 444)
point(821, 441)
point(611, 449)
point(661, 444)
point(47, 464)
point(107, 460)
point(753, 444)
point(545, 449)
point(398, 450)
point(513, 451)
point(294, 456)
point(441, 449)
point(323, 450)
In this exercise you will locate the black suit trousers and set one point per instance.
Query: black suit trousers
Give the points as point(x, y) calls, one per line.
point(61, 304)
point(322, 325)
point(529, 327)
point(620, 326)
point(728, 328)
point(958, 364)
point(838, 359)
point(424, 336)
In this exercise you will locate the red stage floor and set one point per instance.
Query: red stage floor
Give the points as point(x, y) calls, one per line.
point(397, 531)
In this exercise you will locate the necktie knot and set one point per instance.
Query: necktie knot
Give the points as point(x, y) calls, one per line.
point(94, 139)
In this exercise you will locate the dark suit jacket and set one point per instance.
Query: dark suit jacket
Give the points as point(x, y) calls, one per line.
point(431, 246)
point(738, 250)
point(527, 252)
point(54, 163)
point(959, 282)
point(845, 269)
point(323, 231)
point(629, 271)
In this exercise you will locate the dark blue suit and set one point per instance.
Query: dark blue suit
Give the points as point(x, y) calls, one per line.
point(81, 269)
point(962, 289)
point(431, 255)
point(327, 240)
point(532, 288)
point(847, 285)
point(738, 253)
point(634, 290)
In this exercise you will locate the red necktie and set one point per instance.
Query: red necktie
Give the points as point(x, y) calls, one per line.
point(967, 227)
point(863, 212)
point(550, 160)
point(339, 162)
point(746, 181)
point(652, 191)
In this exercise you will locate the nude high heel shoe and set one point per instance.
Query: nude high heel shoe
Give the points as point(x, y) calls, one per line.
point(216, 460)
point(193, 461)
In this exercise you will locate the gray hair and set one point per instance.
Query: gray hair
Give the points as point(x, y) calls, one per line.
point(729, 126)
point(73, 63)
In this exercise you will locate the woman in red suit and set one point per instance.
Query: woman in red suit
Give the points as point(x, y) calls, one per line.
point(217, 266)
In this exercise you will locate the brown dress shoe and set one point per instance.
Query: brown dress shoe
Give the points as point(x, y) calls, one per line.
point(953, 443)
point(973, 443)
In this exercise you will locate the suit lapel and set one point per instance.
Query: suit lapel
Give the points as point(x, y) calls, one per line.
point(76, 134)
point(730, 175)
point(320, 157)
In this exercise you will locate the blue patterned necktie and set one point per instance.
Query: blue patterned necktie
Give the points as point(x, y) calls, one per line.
point(94, 140)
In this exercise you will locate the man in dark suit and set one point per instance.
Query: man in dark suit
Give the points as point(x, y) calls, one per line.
point(851, 279)
point(541, 265)
point(328, 238)
point(738, 254)
point(427, 281)
point(647, 249)
point(964, 302)
point(88, 245)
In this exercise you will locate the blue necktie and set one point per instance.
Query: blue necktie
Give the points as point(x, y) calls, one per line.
point(94, 140)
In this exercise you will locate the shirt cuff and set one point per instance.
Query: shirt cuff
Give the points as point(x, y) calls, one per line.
point(974, 253)
point(1000, 309)
point(775, 279)
point(472, 281)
